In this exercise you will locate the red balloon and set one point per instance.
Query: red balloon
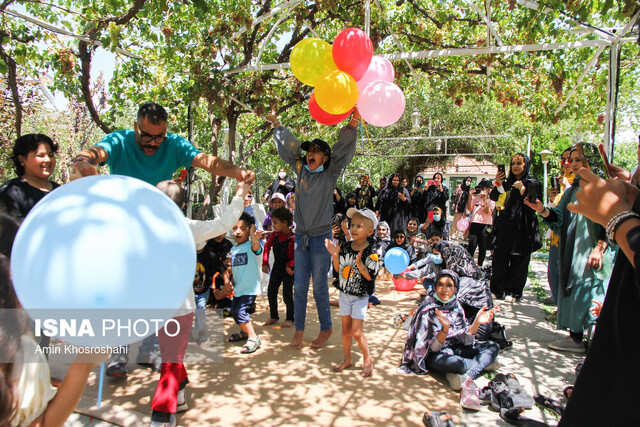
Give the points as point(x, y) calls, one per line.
point(322, 116)
point(352, 52)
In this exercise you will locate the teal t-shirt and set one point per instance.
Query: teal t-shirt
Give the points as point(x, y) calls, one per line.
point(126, 158)
point(246, 269)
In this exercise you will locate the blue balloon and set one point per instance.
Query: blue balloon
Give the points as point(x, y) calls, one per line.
point(396, 260)
point(104, 247)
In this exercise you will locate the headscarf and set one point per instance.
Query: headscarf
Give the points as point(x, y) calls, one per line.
point(425, 326)
point(415, 180)
point(390, 179)
point(384, 225)
point(525, 174)
point(464, 186)
point(457, 258)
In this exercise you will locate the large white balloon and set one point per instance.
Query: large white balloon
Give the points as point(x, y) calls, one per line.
point(103, 247)
point(381, 103)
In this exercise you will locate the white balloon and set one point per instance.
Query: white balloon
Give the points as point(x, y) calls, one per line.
point(104, 246)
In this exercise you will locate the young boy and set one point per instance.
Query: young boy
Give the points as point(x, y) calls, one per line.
point(357, 266)
point(169, 396)
point(246, 275)
point(281, 240)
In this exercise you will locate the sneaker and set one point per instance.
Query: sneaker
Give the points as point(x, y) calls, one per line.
point(171, 423)
point(204, 341)
point(492, 367)
point(567, 344)
point(151, 360)
point(182, 401)
point(508, 299)
point(397, 320)
point(117, 370)
point(456, 380)
point(469, 396)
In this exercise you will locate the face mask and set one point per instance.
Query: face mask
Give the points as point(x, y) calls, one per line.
point(468, 183)
point(437, 259)
point(435, 295)
point(436, 217)
point(282, 175)
point(320, 169)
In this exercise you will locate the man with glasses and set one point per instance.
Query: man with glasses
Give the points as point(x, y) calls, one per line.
point(148, 152)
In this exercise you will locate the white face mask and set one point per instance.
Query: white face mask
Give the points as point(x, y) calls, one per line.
point(282, 175)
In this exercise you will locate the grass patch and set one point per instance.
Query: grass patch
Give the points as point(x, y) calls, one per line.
point(541, 292)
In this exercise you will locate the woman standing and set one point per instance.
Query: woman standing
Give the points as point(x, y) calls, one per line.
point(518, 234)
point(393, 204)
point(437, 194)
point(585, 264)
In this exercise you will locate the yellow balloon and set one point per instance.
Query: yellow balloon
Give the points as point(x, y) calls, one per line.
point(311, 59)
point(337, 92)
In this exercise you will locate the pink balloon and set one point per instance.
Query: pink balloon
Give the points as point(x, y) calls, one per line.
point(381, 103)
point(352, 51)
point(380, 68)
point(322, 116)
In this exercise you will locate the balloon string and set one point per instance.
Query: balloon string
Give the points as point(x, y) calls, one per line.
point(364, 125)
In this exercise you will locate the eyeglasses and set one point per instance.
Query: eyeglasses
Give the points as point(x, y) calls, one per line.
point(146, 137)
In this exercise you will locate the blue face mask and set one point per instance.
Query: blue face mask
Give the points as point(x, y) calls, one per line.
point(320, 169)
point(435, 295)
point(437, 259)
point(436, 217)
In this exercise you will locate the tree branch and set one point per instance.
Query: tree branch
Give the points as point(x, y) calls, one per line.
point(85, 52)
point(13, 84)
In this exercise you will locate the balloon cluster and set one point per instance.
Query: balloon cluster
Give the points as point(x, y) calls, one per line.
point(347, 75)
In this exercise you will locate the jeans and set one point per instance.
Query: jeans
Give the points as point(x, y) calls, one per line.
point(467, 359)
point(311, 262)
point(201, 314)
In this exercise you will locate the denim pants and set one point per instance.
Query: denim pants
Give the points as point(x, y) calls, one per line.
point(312, 262)
point(201, 315)
point(464, 359)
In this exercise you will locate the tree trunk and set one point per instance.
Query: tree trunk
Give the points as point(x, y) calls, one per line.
point(13, 85)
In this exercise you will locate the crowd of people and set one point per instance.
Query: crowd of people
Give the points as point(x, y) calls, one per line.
point(309, 233)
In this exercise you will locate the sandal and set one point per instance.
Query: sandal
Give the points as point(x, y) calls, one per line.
point(437, 419)
point(238, 337)
point(250, 346)
point(549, 403)
point(567, 391)
point(512, 416)
point(519, 395)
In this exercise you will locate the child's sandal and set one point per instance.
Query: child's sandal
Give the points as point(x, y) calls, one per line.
point(251, 345)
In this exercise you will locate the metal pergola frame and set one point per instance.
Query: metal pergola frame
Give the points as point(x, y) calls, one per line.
point(605, 40)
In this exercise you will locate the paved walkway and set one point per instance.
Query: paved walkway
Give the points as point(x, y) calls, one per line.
point(281, 386)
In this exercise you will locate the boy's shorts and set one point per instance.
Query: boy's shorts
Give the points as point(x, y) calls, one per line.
point(353, 306)
point(240, 307)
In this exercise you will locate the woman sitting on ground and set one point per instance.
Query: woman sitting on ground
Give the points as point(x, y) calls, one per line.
point(439, 338)
point(438, 225)
point(399, 240)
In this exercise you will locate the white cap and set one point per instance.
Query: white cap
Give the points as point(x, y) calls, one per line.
point(278, 196)
point(367, 213)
